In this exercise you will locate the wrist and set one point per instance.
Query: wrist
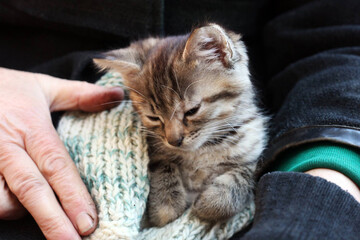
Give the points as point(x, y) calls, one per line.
point(337, 178)
point(339, 157)
point(337, 163)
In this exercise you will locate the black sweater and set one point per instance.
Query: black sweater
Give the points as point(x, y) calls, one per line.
point(304, 54)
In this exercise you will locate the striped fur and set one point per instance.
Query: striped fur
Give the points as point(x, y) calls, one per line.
point(205, 131)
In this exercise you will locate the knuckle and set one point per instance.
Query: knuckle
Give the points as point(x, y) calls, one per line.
point(78, 99)
point(75, 200)
point(10, 132)
point(26, 185)
point(55, 227)
point(40, 133)
point(53, 163)
point(82, 85)
point(8, 154)
point(52, 160)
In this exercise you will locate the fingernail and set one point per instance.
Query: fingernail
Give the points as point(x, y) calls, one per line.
point(117, 89)
point(119, 92)
point(84, 222)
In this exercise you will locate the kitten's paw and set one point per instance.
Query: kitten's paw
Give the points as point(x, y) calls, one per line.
point(162, 215)
point(218, 202)
point(166, 200)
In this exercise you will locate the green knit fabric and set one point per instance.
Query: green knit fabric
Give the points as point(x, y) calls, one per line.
point(330, 155)
point(110, 153)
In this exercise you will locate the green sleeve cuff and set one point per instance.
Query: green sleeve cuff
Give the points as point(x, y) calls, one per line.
point(339, 157)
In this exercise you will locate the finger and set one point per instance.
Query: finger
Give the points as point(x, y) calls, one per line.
point(46, 149)
point(10, 207)
point(76, 95)
point(32, 190)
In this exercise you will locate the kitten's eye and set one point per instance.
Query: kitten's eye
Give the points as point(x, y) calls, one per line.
point(192, 111)
point(154, 119)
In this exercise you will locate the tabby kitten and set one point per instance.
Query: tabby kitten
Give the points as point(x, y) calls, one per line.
point(205, 132)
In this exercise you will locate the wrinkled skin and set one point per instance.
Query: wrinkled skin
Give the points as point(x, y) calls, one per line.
point(34, 164)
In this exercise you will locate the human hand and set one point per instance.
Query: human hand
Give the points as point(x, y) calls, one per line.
point(338, 178)
point(34, 164)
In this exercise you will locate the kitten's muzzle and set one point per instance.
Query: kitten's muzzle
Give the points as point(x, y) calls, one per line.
point(176, 142)
point(174, 132)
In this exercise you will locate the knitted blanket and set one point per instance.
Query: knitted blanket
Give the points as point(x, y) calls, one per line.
point(110, 153)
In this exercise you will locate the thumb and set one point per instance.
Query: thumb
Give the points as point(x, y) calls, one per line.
point(76, 95)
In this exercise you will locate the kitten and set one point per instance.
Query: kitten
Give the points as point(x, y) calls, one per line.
point(205, 132)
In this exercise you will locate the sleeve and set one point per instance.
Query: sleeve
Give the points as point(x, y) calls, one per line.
point(313, 60)
point(313, 65)
point(59, 38)
point(299, 206)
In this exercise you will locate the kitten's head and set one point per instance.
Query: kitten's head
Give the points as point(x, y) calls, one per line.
point(187, 89)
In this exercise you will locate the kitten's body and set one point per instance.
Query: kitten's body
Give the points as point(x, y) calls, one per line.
point(205, 132)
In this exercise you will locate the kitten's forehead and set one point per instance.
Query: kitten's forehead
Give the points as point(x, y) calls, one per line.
point(165, 75)
point(171, 83)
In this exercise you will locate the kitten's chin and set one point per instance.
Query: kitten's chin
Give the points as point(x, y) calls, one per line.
point(185, 148)
point(189, 148)
point(193, 147)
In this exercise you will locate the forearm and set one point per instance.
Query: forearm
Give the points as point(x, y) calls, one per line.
point(313, 86)
point(339, 179)
point(327, 158)
point(299, 206)
point(314, 78)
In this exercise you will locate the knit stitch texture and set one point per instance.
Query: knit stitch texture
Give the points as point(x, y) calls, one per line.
point(110, 153)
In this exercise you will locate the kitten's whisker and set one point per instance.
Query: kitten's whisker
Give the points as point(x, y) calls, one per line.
point(177, 82)
point(236, 122)
point(191, 85)
point(118, 101)
point(226, 128)
point(153, 136)
point(108, 103)
point(218, 128)
point(227, 139)
point(196, 102)
point(232, 127)
point(172, 90)
point(148, 132)
point(157, 147)
point(131, 101)
point(219, 133)
point(137, 92)
point(173, 113)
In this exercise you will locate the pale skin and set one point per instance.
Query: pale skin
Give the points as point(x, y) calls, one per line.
point(34, 164)
point(339, 179)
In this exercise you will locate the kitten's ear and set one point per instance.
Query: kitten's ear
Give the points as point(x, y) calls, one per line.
point(212, 43)
point(125, 61)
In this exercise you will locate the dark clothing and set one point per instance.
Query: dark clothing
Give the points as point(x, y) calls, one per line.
point(305, 55)
point(298, 206)
point(312, 51)
point(36, 31)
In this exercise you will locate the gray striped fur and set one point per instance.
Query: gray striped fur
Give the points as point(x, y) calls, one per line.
point(205, 132)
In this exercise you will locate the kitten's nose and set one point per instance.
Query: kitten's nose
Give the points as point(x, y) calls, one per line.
point(174, 132)
point(176, 142)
